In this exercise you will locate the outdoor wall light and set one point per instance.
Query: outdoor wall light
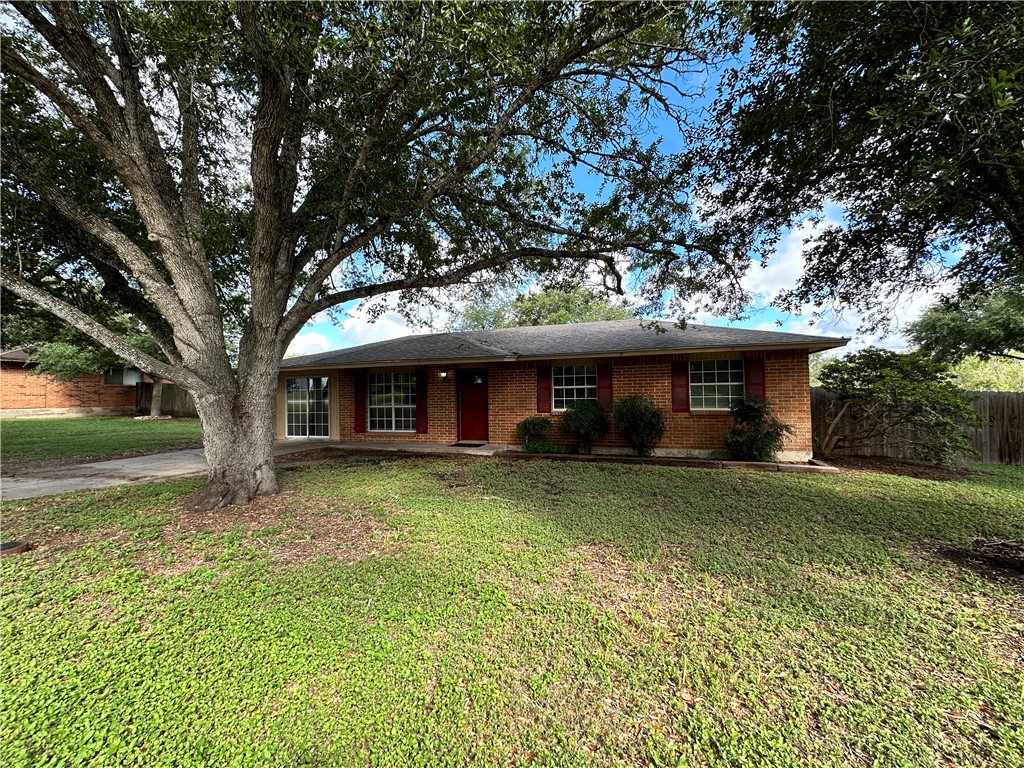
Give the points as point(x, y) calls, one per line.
point(444, 374)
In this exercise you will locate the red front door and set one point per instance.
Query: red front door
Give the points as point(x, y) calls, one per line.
point(472, 405)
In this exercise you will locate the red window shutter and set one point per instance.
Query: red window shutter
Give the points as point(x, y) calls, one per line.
point(421, 402)
point(359, 423)
point(604, 385)
point(681, 386)
point(753, 376)
point(543, 389)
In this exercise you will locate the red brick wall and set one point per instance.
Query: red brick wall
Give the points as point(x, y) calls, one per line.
point(21, 389)
point(512, 396)
point(516, 399)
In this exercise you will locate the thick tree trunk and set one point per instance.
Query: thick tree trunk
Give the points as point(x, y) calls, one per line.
point(238, 435)
point(156, 404)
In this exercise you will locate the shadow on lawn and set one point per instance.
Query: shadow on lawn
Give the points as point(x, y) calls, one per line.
point(757, 524)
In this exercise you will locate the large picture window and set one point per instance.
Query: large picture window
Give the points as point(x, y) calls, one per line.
point(571, 383)
point(392, 402)
point(714, 384)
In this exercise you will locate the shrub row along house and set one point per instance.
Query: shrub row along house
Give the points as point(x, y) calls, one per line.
point(475, 386)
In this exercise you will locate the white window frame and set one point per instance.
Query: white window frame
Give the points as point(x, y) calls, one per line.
point(566, 402)
point(393, 407)
point(720, 378)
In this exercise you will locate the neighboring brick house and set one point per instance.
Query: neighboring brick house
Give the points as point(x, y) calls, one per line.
point(476, 386)
point(23, 393)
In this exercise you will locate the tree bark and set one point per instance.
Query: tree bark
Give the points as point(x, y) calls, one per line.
point(238, 436)
point(157, 402)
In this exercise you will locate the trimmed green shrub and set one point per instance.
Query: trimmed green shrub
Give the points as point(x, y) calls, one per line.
point(585, 421)
point(641, 421)
point(534, 431)
point(757, 435)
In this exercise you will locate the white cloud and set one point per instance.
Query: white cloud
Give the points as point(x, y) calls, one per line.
point(308, 343)
point(786, 266)
point(361, 327)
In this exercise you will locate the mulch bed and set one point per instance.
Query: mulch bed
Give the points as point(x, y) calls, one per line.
point(894, 467)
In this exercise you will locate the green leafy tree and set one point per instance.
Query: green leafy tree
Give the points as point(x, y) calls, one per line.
point(984, 325)
point(815, 363)
point(316, 154)
point(552, 306)
point(906, 115)
point(994, 374)
point(908, 399)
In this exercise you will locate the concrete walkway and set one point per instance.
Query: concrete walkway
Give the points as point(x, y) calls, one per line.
point(66, 478)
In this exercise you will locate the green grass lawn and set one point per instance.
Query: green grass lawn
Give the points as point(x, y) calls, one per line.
point(438, 612)
point(93, 436)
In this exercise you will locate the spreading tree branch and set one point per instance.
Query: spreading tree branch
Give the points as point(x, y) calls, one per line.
point(93, 329)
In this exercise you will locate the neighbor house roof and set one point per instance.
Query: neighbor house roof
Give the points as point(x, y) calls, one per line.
point(15, 355)
point(603, 339)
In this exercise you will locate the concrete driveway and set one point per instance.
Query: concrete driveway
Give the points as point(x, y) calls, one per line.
point(66, 478)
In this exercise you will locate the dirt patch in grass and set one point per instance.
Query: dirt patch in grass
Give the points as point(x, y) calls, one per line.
point(270, 526)
point(1000, 561)
point(313, 454)
point(855, 464)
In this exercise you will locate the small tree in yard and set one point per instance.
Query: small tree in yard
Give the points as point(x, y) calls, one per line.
point(758, 434)
point(908, 399)
point(587, 422)
point(641, 421)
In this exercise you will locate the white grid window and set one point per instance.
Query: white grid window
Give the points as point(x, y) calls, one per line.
point(714, 384)
point(571, 383)
point(392, 402)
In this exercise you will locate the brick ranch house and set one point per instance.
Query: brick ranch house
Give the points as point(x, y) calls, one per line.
point(23, 393)
point(475, 386)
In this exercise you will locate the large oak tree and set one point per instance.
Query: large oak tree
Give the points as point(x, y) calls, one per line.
point(242, 167)
point(905, 117)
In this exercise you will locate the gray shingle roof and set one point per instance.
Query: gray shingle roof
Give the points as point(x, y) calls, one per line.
point(615, 337)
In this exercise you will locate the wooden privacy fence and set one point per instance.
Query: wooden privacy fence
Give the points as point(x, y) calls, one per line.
point(176, 401)
point(998, 440)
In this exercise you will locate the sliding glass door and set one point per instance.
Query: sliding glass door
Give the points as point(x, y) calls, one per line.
point(307, 407)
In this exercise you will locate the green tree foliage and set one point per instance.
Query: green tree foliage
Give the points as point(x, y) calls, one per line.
point(815, 362)
point(996, 374)
point(983, 325)
point(585, 421)
point(641, 421)
point(758, 434)
point(908, 399)
point(552, 306)
point(906, 115)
